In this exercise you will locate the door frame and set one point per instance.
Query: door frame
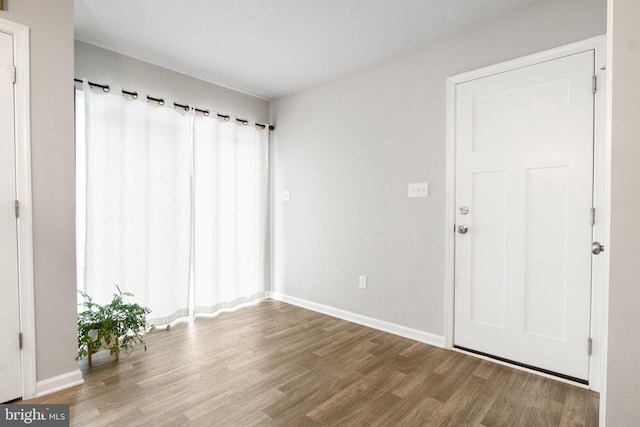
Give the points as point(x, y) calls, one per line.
point(22, 98)
point(601, 198)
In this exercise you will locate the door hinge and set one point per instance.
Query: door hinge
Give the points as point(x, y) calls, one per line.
point(593, 216)
point(17, 208)
point(594, 84)
point(15, 74)
point(20, 340)
point(590, 346)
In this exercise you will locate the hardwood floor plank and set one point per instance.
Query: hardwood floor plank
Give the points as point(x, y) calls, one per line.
point(417, 414)
point(273, 364)
point(408, 384)
point(354, 401)
point(454, 379)
point(485, 369)
point(548, 414)
point(474, 411)
point(374, 409)
point(574, 410)
point(415, 405)
point(454, 409)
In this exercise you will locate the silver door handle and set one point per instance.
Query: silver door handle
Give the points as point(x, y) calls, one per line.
point(596, 248)
point(462, 229)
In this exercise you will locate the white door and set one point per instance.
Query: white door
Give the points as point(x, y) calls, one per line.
point(10, 360)
point(524, 174)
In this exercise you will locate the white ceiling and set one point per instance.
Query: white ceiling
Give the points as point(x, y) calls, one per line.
point(272, 48)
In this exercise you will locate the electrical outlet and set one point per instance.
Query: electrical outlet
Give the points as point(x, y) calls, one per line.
point(286, 196)
point(363, 282)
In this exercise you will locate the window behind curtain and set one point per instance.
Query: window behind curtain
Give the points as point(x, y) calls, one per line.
point(171, 207)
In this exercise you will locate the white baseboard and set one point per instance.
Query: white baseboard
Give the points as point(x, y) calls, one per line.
point(58, 383)
point(381, 325)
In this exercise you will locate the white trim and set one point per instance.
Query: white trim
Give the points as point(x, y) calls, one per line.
point(601, 197)
point(450, 206)
point(601, 200)
point(20, 35)
point(604, 303)
point(534, 58)
point(59, 383)
point(381, 325)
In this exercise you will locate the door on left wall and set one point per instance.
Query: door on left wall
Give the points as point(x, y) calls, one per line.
point(10, 353)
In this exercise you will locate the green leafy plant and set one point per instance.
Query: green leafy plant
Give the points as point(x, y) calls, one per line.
point(114, 326)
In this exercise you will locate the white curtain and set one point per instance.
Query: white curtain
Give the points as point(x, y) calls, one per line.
point(138, 203)
point(230, 212)
point(172, 207)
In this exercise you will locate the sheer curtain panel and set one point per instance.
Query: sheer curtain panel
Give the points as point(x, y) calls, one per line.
point(230, 212)
point(138, 203)
point(172, 206)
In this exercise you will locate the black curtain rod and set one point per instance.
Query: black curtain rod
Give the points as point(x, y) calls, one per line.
point(160, 101)
point(203, 112)
point(134, 94)
point(105, 88)
point(185, 107)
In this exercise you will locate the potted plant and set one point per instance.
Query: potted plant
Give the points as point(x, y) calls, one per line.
point(114, 326)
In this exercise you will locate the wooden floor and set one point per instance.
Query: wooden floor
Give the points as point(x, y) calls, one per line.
point(274, 364)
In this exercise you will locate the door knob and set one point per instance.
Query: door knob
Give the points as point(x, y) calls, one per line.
point(462, 229)
point(596, 248)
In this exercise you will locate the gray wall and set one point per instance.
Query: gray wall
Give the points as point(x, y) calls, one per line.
point(347, 150)
point(119, 71)
point(623, 372)
point(52, 152)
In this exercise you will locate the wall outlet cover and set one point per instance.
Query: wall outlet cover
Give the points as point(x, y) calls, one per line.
point(363, 282)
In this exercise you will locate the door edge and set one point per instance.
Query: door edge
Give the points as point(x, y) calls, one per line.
point(21, 36)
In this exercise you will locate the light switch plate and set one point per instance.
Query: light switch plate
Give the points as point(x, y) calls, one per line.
point(286, 196)
point(419, 189)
